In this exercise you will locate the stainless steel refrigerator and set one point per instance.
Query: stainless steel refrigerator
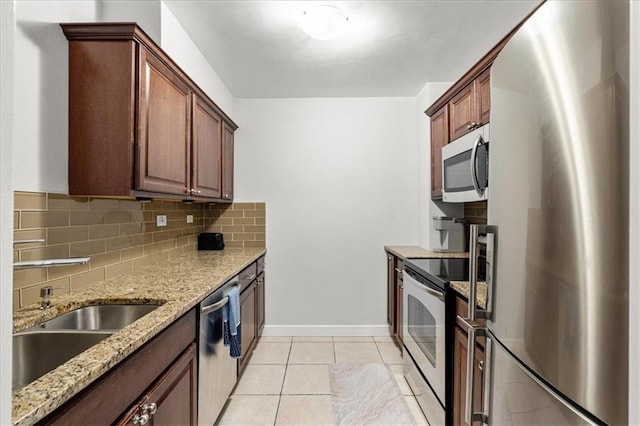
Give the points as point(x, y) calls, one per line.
point(557, 319)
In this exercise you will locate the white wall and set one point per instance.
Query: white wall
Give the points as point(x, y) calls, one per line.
point(339, 179)
point(41, 78)
point(427, 208)
point(184, 52)
point(634, 200)
point(7, 33)
point(146, 13)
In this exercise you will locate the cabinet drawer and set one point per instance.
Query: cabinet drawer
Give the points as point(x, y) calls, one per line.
point(246, 277)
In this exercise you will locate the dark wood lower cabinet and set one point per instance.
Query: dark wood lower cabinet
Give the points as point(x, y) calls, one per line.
point(172, 400)
point(260, 302)
point(395, 290)
point(111, 397)
point(460, 351)
point(248, 324)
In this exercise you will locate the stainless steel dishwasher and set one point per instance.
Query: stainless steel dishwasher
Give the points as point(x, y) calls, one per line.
point(217, 371)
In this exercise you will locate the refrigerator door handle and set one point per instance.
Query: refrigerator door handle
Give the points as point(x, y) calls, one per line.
point(490, 232)
point(474, 331)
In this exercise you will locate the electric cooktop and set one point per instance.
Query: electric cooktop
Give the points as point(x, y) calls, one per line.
point(440, 271)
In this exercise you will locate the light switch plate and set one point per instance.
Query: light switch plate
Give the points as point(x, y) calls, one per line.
point(189, 218)
point(161, 220)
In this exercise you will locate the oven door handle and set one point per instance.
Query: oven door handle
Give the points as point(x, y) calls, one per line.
point(435, 293)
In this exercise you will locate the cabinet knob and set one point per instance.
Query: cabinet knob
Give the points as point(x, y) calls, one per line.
point(188, 190)
point(196, 191)
point(150, 408)
point(141, 419)
point(473, 125)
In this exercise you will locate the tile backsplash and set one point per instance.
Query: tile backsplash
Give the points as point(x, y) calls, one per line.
point(243, 224)
point(119, 235)
point(476, 213)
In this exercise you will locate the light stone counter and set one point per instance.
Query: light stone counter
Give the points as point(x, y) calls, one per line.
point(462, 287)
point(416, 252)
point(179, 285)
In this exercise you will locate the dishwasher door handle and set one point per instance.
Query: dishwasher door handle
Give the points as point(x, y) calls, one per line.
point(214, 306)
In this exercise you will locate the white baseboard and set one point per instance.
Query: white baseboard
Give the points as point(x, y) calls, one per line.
point(326, 330)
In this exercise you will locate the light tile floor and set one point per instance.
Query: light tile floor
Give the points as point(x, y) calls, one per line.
point(287, 379)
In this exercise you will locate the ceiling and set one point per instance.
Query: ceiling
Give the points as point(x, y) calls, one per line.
point(391, 48)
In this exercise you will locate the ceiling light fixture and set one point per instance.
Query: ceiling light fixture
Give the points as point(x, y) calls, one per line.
point(323, 22)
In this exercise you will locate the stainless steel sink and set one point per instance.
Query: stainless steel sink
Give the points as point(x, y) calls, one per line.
point(35, 353)
point(101, 317)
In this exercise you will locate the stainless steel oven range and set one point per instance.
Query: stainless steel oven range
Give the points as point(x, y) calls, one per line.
point(429, 311)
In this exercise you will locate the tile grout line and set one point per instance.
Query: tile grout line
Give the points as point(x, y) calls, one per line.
point(286, 367)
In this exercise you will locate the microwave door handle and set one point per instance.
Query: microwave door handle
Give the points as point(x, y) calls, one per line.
point(474, 174)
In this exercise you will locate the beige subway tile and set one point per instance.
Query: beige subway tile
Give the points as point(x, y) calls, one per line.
point(242, 221)
point(175, 234)
point(16, 300)
point(79, 217)
point(118, 216)
point(43, 219)
point(137, 215)
point(87, 248)
point(152, 248)
point(161, 236)
point(254, 213)
point(167, 245)
point(97, 232)
point(234, 213)
point(254, 244)
point(105, 259)
point(161, 257)
point(129, 205)
point(170, 205)
point(244, 206)
point(176, 252)
point(140, 239)
point(47, 252)
point(261, 206)
point(118, 243)
point(28, 277)
point(153, 205)
point(30, 234)
point(65, 202)
point(87, 278)
point(131, 253)
point(253, 228)
point(58, 272)
point(29, 200)
point(261, 236)
point(260, 221)
point(16, 255)
point(244, 236)
point(147, 216)
point(214, 228)
point(233, 244)
point(67, 234)
point(232, 229)
point(141, 262)
point(16, 220)
point(131, 228)
point(103, 204)
point(182, 241)
point(118, 269)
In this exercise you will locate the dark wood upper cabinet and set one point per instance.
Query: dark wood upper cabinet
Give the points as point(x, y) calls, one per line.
point(206, 149)
point(138, 125)
point(483, 97)
point(462, 111)
point(439, 138)
point(164, 118)
point(227, 162)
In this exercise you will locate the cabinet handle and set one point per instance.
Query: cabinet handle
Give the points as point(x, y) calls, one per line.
point(473, 125)
point(188, 190)
point(196, 191)
point(398, 270)
point(250, 277)
point(150, 408)
point(390, 258)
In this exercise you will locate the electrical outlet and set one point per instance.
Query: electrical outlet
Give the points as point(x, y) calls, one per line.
point(189, 218)
point(161, 220)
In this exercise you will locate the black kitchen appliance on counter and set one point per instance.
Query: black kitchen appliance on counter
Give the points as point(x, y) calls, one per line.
point(210, 241)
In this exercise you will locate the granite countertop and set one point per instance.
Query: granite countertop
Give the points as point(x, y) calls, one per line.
point(462, 287)
point(178, 285)
point(416, 252)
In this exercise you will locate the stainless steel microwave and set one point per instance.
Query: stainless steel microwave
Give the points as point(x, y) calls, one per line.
point(465, 167)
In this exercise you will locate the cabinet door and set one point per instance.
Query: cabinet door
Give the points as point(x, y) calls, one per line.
point(462, 111)
point(260, 303)
point(247, 323)
point(399, 286)
point(206, 149)
point(172, 399)
point(460, 378)
point(483, 96)
point(164, 114)
point(227, 162)
point(439, 138)
point(391, 293)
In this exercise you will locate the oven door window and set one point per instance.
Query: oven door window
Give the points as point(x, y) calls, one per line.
point(422, 327)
